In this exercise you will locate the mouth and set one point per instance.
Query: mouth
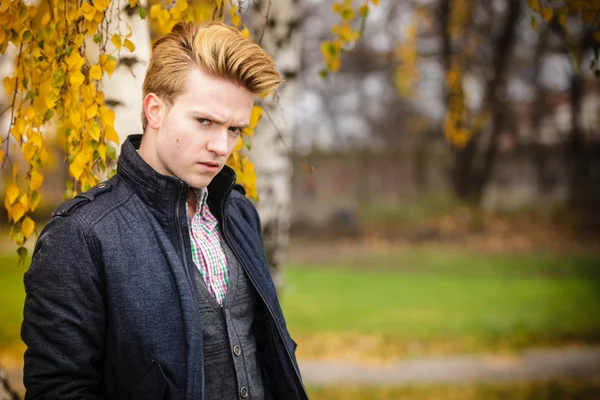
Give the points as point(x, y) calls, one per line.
point(210, 166)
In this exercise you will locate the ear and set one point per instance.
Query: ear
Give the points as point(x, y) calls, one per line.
point(153, 108)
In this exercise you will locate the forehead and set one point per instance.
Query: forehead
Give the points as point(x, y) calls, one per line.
point(203, 91)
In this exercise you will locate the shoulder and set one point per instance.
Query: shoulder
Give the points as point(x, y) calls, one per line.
point(243, 207)
point(90, 206)
point(238, 195)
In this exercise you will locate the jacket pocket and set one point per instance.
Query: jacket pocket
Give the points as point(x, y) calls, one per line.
point(151, 383)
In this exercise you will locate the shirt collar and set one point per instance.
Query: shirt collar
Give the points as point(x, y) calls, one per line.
point(201, 197)
point(166, 194)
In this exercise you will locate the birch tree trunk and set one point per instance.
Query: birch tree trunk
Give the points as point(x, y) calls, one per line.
point(277, 22)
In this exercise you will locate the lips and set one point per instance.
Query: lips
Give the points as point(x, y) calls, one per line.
point(210, 164)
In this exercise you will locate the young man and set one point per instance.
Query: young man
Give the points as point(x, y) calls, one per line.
point(154, 284)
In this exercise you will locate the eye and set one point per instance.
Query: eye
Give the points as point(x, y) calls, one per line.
point(235, 130)
point(204, 121)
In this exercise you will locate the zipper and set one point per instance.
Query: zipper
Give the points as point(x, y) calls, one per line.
point(258, 291)
point(187, 271)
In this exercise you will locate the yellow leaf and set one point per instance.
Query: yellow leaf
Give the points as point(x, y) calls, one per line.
point(34, 199)
point(533, 23)
point(235, 18)
point(182, 5)
point(96, 72)
point(72, 14)
point(30, 114)
point(129, 45)
point(1, 156)
point(111, 134)
point(45, 19)
point(16, 212)
point(9, 84)
point(254, 118)
point(245, 33)
point(35, 138)
point(94, 131)
point(375, 2)
point(163, 17)
point(44, 156)
point(76, 170)
point(27, 226)
point(239, 144)
point(133, 3)
point(12, 193)
point(117, 41)
point(88, 11)
point(534, 5)
point(107, 117)
point(101, 5)
point(75, 117)
point(102, 150)
point(29, 151)
point(155, 10)
point(88, 95)
point(175, 14)
point(562, 17)
point(24, 201)
point(35, 182)
point(364, 10)
point(78, 40)
point(110, 65)
point(75, 61)
point(18, 129)
point(546, 13)
point(76, 78)
point(51, 100)
point(91, 111)
point(100, 98)
point(2, 35)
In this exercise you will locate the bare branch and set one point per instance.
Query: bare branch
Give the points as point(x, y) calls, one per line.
point(266, 23)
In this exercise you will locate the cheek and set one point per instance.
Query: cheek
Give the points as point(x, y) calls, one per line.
point(232, 143)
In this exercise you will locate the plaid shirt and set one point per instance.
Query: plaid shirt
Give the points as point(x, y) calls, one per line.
point(207, 252)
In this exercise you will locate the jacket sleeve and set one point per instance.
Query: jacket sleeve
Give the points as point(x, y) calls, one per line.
point(64, 317)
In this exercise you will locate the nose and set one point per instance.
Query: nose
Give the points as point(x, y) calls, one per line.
point(218, 144)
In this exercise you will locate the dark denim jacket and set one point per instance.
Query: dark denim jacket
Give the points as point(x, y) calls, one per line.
point(111, 308)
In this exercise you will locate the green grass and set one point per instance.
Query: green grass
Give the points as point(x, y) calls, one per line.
point(549, 390)
point(425, 294)
point(12, 296)
point(429, 295)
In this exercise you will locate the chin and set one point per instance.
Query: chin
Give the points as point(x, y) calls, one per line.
point(199, 182)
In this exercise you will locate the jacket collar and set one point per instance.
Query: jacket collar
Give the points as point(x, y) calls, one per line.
point(162, 192)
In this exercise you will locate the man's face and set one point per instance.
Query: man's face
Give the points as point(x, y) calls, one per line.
point(195, 136)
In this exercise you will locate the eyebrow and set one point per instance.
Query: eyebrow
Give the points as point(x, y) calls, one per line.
point(214, 118)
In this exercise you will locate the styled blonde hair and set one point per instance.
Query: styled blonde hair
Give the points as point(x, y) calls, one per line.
point(216, 48)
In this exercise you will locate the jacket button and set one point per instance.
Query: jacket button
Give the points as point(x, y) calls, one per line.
point(237, 350)
point(244, 392)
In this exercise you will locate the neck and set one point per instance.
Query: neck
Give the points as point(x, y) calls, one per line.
point(192, 204)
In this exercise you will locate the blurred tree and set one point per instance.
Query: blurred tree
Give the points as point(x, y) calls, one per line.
point(477, 44)
point(464, 40)
point(276, 28)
